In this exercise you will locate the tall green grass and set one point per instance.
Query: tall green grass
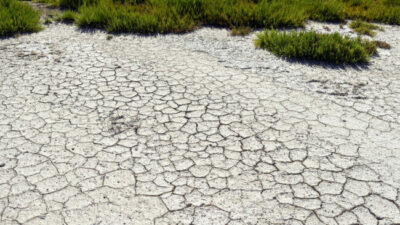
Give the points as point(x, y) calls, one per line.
point(17, 17)
point(321, 47)
point(165, 16)
point(178, 16)
point(127, 18)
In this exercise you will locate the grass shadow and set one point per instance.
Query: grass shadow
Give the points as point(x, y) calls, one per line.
point(92, 30)
point(329, 65)
point(18, 35)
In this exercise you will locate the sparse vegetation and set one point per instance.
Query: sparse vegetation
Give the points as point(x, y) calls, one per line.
point(17, 17)
point(240, 31)
point(321, 47)
point(364, 28)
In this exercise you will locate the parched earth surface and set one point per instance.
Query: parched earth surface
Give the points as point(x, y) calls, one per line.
point(198, 129)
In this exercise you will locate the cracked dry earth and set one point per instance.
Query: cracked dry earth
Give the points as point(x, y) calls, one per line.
point(195, 129)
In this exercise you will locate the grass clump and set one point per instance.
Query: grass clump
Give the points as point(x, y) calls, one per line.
point(364, 28)
point(240, 31)
point(17, 17)
point(311, 45)
point(67, 17)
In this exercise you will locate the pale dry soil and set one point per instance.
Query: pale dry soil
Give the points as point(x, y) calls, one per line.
point(198, 129)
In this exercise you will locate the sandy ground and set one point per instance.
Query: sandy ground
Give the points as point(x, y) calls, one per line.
point(198, 129)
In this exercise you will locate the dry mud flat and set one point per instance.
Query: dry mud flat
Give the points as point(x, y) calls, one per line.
point(195, 129)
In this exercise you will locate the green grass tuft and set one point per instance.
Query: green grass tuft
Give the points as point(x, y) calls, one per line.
point(311, 45)
point(17, 17)
point(364, 28)
point(67, 17)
